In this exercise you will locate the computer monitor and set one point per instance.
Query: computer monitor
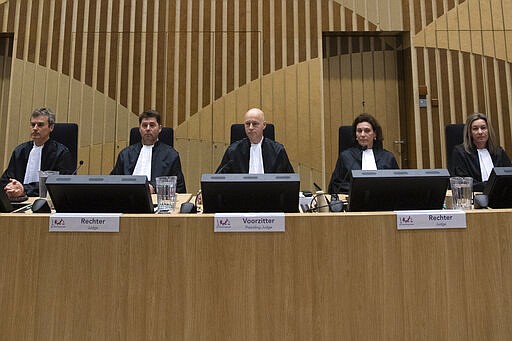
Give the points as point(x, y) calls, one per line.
point(499, 188)
point(223, 193)
point(5, 203)
point(398, 189)
point(100, 193)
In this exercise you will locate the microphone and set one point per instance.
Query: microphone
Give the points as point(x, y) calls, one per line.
point(187, 206)
point(318, 188)
point(80, 163)
point(335, 205)
point(224, 167)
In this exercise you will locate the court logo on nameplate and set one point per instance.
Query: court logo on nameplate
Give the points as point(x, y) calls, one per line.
point(84, 222)
point(248, 222)
point(430, 219)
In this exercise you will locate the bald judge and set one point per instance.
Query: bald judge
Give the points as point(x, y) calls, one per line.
point(255, 154)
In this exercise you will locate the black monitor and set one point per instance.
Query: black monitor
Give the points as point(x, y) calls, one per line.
point(398, 189)
point(100, 193)
point(499, 188)
point(250, 193)
point(5, 203)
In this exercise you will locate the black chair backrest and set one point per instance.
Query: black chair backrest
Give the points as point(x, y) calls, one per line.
point(67, 134)
point(454, 135)
point(345, 138)
point(165, 136)
point(238, 132)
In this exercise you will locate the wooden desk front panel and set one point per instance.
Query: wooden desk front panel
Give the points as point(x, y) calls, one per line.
point(346, 276)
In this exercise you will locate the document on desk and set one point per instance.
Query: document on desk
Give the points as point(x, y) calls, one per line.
point(248, 222)
point(84, 222)
point(430, 219)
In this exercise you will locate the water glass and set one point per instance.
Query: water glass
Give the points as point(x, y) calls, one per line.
point(43, 175)
point(166, 193)
point(462, 192)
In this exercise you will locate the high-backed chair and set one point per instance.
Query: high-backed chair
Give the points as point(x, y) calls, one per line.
point(67, 134)
point(454, 135)
point(166, 136)
point(238, 132)
point(345, 138)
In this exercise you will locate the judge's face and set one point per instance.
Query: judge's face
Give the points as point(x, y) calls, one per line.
point(41, 130)
point(254, 125)
point(149, 130)
point(479, 133)
point(365, 135)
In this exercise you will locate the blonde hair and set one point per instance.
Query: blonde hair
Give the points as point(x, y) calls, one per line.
point(469, 146)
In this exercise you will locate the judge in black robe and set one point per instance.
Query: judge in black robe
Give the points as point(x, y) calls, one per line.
point(165, 161)
point(236, 157)
point(478, 133)
point(467, 164)
point(54, 156)
point(367, 135)
point(350, 159)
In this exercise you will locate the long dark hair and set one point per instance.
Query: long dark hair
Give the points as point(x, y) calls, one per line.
point(364, 117)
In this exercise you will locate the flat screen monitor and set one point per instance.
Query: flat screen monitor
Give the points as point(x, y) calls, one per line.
point(100, 193)
point(250, 193)
point(5, 203)
point(499, 188)
point(398, 189)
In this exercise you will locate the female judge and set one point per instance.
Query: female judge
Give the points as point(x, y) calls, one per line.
point(366, 153)
point(479, 153)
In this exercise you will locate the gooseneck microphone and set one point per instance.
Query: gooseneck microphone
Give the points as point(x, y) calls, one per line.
point(187, 206)
point(225, 166)
point(80, 163)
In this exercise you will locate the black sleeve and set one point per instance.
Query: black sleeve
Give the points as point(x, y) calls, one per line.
point(339, 179)
point(285, 165)
point(180, 181)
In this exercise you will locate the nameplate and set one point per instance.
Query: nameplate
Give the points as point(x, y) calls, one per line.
point(430, 219)
point(84, 222)
point(248, 222)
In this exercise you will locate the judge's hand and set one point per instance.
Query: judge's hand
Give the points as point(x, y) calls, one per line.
point(14, 189)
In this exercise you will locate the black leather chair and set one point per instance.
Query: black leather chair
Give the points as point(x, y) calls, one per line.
point(165, 136)
point(345, 138)
point(238, 132)
point(454, 135)
point(67, 134)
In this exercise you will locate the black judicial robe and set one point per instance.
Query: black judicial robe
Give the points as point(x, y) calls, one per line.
point(352, 158)
point(165, 161)
point(468, 164)
point(54, 156)
point(236, 157)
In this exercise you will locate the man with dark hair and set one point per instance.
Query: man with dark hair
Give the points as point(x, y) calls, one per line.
point(150, 157)
point(42, 153)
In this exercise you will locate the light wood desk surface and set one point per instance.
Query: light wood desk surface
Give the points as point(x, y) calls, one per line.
point(328, 277)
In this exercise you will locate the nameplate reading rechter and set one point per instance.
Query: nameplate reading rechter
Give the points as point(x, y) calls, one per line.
point(248, 222)
point(84, 222)
point(430, 219)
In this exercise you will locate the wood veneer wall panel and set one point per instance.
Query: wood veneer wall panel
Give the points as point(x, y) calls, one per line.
point(283, 34)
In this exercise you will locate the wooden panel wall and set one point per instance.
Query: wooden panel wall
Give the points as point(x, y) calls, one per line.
point(203, 63)
point(6, 41)
point(461, 50)
point(361, 74)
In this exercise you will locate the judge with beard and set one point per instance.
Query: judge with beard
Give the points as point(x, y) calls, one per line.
point(255, 154)
point(150, 157)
